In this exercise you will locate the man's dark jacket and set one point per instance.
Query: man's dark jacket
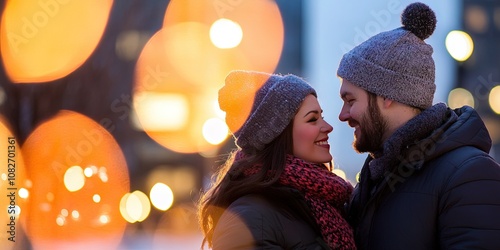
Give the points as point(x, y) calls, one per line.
point(442, 192)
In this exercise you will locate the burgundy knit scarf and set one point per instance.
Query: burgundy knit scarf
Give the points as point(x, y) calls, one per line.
point(325, 193)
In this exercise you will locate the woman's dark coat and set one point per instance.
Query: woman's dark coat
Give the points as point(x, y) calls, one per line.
point(259, 222)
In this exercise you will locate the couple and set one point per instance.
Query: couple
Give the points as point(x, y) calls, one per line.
point(428, 182)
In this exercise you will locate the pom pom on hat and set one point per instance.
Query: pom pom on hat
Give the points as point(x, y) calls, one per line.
point(259, 106)
point(396, 64)
point(419, 19)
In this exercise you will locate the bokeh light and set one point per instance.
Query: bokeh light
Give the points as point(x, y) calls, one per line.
point(161, 111)
point(218, 112)
point(74, 178)
point(494, 99)
point(96, 198)
point(215, 131)
point(225, 34)
point(75, 214)
point(68, 32)
point(161, 196)
point(190, 57)
point(181, 107)
point(476, 18)
point(23, 193)
point(262, 38)
point(339, 173)
point(459, 44)
point(123, 208)
point(13, 181)
point(129, 44)
point(63, 211)
point(181, 179)
point(459, 97)
point(135, 206)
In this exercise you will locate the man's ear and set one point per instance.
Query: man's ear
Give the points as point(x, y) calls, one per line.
point(387, 103)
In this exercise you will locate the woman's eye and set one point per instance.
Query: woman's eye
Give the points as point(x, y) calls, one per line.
point(313, 119)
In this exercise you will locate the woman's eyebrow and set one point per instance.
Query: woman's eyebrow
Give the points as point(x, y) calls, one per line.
point(313, 111)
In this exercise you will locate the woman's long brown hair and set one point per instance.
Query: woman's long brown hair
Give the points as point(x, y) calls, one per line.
point(231, 183)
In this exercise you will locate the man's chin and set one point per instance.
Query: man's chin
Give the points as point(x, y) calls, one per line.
point(357, 147)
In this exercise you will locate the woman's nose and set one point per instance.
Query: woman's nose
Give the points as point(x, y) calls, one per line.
point(327, 128)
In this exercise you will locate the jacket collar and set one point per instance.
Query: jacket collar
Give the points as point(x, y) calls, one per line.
point(405, 145)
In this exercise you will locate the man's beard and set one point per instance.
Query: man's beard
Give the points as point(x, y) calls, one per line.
point(372, 129)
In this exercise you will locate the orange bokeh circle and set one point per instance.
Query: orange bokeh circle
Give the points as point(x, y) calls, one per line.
point(181, 60)
point(63, 209)
point(42, 41)
point(14, 183)
point(263, 37)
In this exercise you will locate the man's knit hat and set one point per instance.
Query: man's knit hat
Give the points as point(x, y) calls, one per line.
point(259, 106)
point(396, 64)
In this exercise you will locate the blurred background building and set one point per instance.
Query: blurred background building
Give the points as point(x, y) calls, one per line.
point(113, 104)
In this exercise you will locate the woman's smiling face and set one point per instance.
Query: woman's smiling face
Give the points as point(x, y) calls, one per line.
point(310, 132)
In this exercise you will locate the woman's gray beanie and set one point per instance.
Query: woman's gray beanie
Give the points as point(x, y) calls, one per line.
point(396, 64)
point(259, 106)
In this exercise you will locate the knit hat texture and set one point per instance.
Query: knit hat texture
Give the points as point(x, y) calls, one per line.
point(259, 105)
point(396, 64)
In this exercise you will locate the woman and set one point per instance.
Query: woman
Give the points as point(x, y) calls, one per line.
point(275, 191)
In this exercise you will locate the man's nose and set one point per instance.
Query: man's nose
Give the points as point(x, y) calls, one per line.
point(344, 114)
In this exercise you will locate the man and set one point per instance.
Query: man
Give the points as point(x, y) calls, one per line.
point(428, 182)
